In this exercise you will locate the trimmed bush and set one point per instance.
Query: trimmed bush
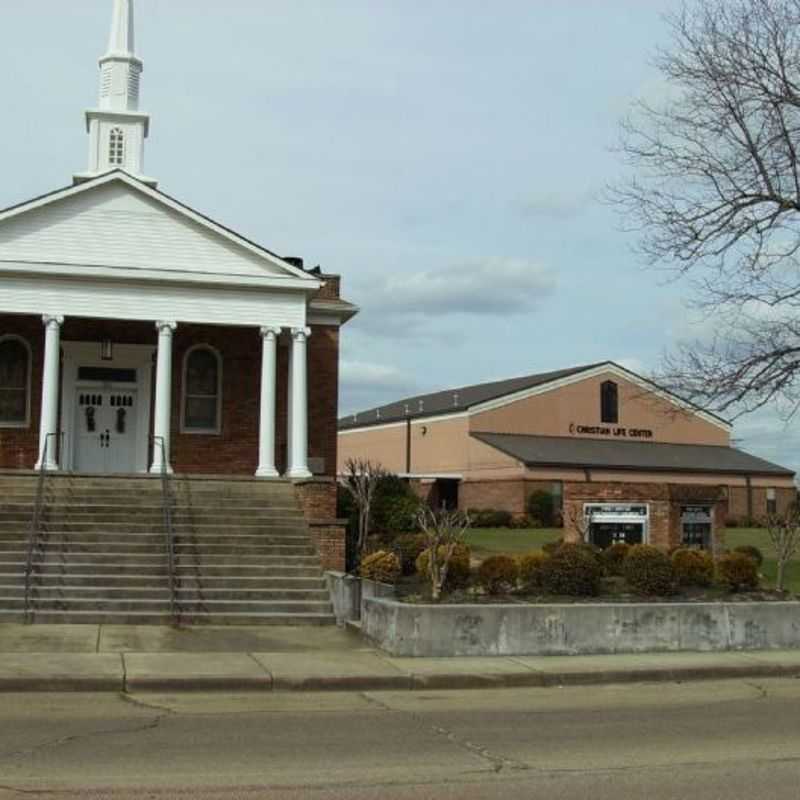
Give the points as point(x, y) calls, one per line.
point(572, 570)
point(737, 572)
point(693, 567)
point(394, 506)
point(408, 547)
point(457, 573)
point(490, 518)
point(530, 570)
point(648, 571)
point(498, 574)
point(550, 547)
point(541, 507)
point(752, 551)
point(524, 523)
point(614, 556)
point(382, 566)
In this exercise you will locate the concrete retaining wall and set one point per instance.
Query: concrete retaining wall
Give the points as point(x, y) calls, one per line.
point(348, 594)
point(405, 629)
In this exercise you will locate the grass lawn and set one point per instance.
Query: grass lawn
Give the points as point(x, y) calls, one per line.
point(488, 541)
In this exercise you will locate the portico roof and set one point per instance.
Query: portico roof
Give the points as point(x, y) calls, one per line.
point(564, 451)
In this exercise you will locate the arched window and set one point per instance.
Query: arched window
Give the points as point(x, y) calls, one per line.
point(609, 402)
point(15, 382)
point(116, 147)
point(202, 390)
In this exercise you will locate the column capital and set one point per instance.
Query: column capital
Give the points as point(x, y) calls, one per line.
point(299, 334)
point(270, 331)
point(166, 325)
point(51, 319)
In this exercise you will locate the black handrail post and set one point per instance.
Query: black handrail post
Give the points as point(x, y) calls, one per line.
point(169, 533)
point(36, 523)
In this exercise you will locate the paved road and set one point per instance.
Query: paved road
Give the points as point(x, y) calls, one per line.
point(726, 740)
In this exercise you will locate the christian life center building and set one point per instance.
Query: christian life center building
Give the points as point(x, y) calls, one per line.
point(139, 337)
point(624, 459)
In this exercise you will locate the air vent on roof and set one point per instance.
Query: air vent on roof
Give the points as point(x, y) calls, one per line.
point(455, 399)
point(421, 405)
point(295, 261)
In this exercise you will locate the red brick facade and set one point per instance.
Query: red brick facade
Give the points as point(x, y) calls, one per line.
point(234, 451)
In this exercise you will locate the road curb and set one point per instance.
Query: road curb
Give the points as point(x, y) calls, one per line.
point(408, 682)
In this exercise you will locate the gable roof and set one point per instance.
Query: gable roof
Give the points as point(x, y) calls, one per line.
point(564, 451)
point(450, 401)
point(486, 395)
point(255, 261)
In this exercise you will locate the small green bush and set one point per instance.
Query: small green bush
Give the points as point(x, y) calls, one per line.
point(541, 507)
point(490, 518)
point(408, 547)
point(498, 574)
point(530, 570)
point(737, 572)
point(383, 566)
point(614, 556)
point(693, 567)
point(394, 507)
point(752, 551)
point(457, 573)
point(524, 523)
point(648, 571)
point(572, 570)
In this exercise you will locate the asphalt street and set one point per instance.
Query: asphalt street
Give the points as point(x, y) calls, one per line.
point(705, 740)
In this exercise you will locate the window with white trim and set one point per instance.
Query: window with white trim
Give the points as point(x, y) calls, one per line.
point(202, 390)
point(116, 147)
point(15, 371)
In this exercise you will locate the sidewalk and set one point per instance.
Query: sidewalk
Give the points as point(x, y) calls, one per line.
point(92, 658)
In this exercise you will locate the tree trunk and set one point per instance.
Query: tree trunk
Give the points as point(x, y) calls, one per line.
point(779, 576)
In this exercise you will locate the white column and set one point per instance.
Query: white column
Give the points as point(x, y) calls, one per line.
point(48, 422)
point(266, 429)
point(163, 403)
point(298, 425)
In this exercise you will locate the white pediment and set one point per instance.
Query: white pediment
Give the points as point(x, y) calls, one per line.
point(120, 225)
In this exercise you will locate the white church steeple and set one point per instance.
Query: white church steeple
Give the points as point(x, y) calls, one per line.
point(117, 129)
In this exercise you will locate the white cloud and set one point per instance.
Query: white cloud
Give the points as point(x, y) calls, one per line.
point(366, 384)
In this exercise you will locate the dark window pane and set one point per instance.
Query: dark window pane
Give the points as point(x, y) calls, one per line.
point(201, 373)
point(13, 365)
point(609, 405)
point(13, 405)
point(201, 413)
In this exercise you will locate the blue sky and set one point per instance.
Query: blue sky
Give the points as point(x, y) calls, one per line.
point(447, 158)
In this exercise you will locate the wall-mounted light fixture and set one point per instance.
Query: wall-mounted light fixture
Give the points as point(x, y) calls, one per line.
point(107, 350)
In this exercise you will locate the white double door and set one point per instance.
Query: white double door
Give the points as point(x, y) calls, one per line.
point(106, 430)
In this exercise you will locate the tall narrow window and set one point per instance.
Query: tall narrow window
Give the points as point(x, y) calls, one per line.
point(609, 402)
point(202, 391)
point(14, 382)
point(116, 147)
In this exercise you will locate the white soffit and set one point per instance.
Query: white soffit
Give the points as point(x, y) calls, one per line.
point(115, 223)
point(604, 369)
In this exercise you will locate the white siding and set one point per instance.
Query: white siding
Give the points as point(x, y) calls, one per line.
point(126, 300)
point(116, 226)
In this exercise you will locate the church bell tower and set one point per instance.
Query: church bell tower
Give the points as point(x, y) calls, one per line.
point(117, 129)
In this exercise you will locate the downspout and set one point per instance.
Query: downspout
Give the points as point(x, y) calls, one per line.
point(408, 446)
point(749, 482)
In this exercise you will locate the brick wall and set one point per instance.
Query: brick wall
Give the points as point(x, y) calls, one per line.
point(330, 543)
point(317, 498)
point(235, 449)
point(497, 495)
point(737, 507)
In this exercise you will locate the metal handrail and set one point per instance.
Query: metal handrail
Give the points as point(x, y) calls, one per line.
point(169, 532)
point(36, 523)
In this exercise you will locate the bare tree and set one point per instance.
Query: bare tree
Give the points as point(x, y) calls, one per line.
point(714, 192)
point(444, 531)
point(580, 521)
point(784, 532)
point(361, 479)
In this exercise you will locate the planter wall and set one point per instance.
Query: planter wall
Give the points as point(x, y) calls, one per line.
point(405, 629)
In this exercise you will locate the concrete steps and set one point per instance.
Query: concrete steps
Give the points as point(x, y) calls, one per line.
point(243, 553)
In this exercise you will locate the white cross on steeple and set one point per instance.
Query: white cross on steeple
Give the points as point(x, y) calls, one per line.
point(117, 129)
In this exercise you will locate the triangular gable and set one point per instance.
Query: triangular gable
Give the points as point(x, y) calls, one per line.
point(118, 222)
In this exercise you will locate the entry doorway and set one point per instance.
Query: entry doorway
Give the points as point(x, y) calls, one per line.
point(105, 430)
point(106, 407)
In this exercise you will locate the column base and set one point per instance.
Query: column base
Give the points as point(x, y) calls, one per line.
point(267, 472)
point(156, 469)
point(50, 466)
point(299, 473)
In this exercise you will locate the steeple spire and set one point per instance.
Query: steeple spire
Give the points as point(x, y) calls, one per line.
point(117, 129)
